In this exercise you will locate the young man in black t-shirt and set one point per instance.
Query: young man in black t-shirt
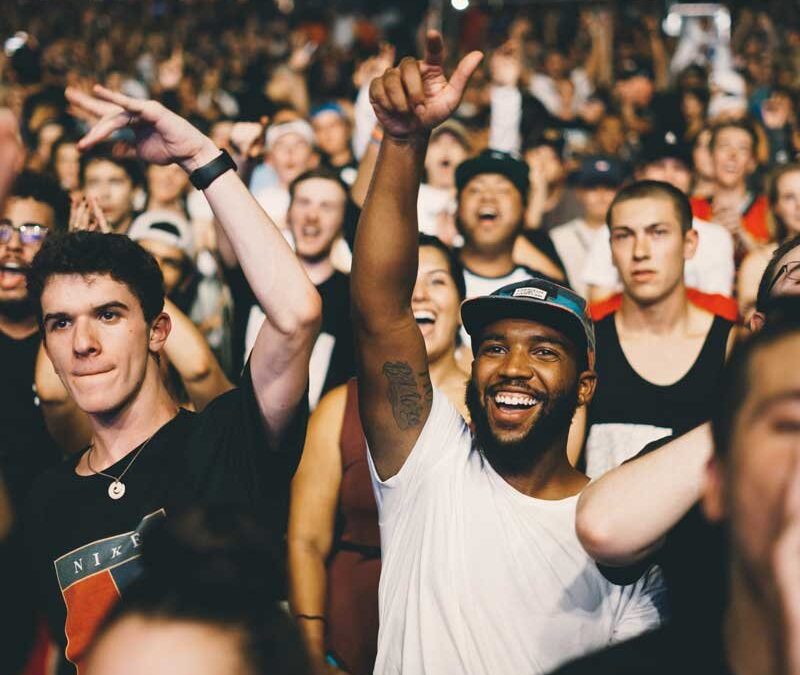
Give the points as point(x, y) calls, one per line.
point(658, 355)
point(99, 299)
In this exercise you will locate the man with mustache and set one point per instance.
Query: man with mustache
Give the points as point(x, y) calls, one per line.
point(482, 571)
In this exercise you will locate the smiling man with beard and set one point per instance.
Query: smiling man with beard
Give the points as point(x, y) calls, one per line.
point(482, 571)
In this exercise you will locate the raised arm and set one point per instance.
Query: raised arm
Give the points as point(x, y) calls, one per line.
point(624, 516)
point(394, 385)
point(279, 361)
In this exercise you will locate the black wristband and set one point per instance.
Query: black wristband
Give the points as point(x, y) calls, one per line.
point(203, 177)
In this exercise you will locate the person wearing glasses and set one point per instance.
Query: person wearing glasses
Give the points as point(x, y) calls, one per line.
point(35, 206)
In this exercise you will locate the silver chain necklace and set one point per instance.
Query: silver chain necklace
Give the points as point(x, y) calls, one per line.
point(117, 488)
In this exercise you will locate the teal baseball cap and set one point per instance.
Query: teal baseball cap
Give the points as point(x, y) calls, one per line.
point(536, 299)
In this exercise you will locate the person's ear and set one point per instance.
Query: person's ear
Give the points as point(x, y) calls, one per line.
point(690, 241)
point(756, 322)
point(159, 332)
point(587, 383)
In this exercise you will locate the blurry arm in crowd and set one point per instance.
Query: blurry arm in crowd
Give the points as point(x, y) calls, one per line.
point(525, 253)
point(658, 51)
point(599, 63)
point(624, 516)
point(279, 360)
point(366, 168)
point(247, 141)
point(312, 514)
point(188, 351)
point(395, 391)
point(505, 69)
point(365, 119)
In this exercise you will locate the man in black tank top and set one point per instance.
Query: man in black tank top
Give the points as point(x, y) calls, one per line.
point(658, 355)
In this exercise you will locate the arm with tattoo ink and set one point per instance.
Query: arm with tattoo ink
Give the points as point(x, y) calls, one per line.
point(394, 386)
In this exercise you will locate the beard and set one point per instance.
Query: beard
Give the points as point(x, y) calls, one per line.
point(519, 456)
point(17, 309)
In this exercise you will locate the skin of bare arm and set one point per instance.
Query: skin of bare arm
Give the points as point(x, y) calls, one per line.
point(188, 351)
point(312, 512)
point(279, 360)
point(395, 390)
point(624, 515)
point(366, 168)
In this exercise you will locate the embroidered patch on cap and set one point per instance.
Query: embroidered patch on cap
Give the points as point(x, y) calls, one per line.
point(537, 293)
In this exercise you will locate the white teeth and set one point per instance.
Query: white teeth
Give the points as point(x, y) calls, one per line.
point(424, 315)
point(506, 398)
point(487, 213)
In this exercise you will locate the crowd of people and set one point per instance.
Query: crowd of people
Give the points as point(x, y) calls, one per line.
point(331, 345)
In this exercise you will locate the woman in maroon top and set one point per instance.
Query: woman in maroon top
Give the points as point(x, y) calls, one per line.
point(334, 541)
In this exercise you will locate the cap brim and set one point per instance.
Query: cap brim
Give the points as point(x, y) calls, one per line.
point(478, 313)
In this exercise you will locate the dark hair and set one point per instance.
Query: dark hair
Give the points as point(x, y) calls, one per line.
point(780, 231)
point(320, 172)
point(744, 124)
point(119, 154)
point(764, 290)
point(42, 188)
point(734, 385)
point(655, 188)
point(456, 268)
point(87, 253)
point(217, 567)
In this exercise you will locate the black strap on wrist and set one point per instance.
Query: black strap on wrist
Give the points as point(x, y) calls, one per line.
point(203, 177)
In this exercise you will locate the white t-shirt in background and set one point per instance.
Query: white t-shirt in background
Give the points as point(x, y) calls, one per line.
point(479, 579)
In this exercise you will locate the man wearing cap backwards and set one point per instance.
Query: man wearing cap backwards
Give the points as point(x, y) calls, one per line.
point(482, 571)
point(710, 269)
point(597, 182)
point(659, 356)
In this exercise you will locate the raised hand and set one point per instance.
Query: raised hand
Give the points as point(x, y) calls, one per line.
point(415, 97)
point(162, 137)
point(86, 214)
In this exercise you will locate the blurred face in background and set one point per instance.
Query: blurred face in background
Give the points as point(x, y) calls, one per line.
point(610, 135)
point(113, 189)
point(66, 164)
point(331, 133)
point(316, 217)
point(290, 156)
point(733, 156)
point(545, 158)
point(445, 153)
point(166, 184)
point(787, 202)
point(595, 200)
point(490, 213)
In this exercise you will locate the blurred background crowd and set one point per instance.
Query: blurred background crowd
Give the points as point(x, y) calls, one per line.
point(589, 95)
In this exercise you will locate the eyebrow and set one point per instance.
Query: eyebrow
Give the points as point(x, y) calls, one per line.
point(535, 339)
point(113, 304)
point(776, 399)
point(646, 227)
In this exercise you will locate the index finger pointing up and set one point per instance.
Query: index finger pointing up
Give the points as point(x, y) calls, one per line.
point(434, 48)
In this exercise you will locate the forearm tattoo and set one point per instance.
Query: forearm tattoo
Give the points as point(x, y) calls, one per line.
point(407, 402)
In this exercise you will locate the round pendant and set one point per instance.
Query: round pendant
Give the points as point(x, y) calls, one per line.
point(116, 489)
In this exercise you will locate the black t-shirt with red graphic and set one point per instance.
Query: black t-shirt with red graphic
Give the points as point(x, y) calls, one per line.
point(85, 546)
